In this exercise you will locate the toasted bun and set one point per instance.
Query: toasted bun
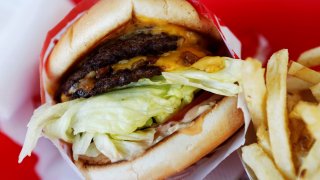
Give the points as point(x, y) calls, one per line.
point(179, 150)
point(107, 16)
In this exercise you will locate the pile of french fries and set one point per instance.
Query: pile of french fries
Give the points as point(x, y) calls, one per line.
point(283, 100)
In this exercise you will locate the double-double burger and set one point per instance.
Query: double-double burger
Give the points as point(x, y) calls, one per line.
point(137, 89)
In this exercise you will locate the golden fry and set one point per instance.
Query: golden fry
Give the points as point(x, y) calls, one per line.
point(293, 145)
point(295, 84)
point(301, 140)
point(263, 140)
point(310, 58)
point(304, 73)
point(310, 169)
point(254, 88)
point(277, 112)
point(292, 100)
point(253, 85)
point(316, 91)
point(260, 163)
point(310, 114)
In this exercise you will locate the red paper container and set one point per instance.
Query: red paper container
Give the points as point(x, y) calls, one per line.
point(207, 164)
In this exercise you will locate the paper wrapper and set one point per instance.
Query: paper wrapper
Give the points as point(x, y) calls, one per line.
point(202, 168)
point(28, 100)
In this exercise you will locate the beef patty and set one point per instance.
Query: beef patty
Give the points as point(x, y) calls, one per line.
point(95, 75)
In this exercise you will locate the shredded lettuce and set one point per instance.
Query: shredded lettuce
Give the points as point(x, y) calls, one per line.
point(141, 135)
point(116, 114)
point(41, 117)
point(129, 149)
point(81, 144)
point(105, 145)
point(92, 151)
point(221, 82)
point(119, 124)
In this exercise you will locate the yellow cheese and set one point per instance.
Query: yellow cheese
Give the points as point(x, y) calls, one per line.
point(169, 61)
point(210, 64)
point(172, 60)
point(188, 37)
point(127, 64)
point(160, 26)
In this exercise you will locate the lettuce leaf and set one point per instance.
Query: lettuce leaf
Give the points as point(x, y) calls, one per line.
point(118, 113)
point(111, 123)
point(81, 144)
point(129, 149)
point(41, 117)
point(220, 82)
point(141, 135)
point(106, 146)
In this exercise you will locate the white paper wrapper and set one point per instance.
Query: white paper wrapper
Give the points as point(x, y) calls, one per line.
point(22, 96)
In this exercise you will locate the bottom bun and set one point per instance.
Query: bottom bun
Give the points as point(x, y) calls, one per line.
point(178, 151)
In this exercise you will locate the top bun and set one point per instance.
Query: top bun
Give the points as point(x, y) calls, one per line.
point(105, 17)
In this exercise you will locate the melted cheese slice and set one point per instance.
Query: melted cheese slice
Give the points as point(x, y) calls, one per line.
point(159, 26)
point(189, 42)
point(169, 61)
point(128, 64)
point(172, 61)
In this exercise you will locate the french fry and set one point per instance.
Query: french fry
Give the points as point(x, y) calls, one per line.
point(263, 140)
point(304, 73)
point(316, 91)
point(310, 114)
point(284, 143)
point(295, 84)
point(301, 140)
point(254, 89)
point(310, 58)
point(260, 163)
point(292, 100)
point(277, 113)
point(310, 169)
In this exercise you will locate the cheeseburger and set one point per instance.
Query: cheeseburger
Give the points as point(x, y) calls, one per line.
point(137, 89)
